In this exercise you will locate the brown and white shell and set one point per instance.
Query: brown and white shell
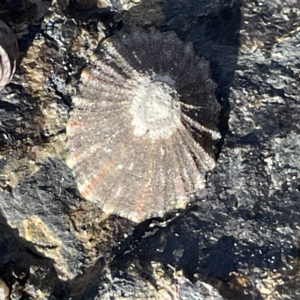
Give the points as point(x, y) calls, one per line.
point(142, 131)
point(8, 54)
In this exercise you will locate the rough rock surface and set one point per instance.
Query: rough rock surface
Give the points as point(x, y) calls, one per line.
point(238, 241)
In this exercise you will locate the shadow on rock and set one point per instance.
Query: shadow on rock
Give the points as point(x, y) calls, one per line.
point(24, 17)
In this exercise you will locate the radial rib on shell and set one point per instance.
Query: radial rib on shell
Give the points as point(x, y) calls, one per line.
point(143, 125)
point(9, 53)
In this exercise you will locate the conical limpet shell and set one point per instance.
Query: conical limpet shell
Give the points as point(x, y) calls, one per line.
point(8, 54)
point(143, 126)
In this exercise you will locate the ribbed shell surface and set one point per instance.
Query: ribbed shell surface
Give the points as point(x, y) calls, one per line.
point(143, 125)
point(9, 53)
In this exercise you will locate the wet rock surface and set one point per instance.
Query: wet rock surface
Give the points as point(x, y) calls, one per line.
point(239, 240)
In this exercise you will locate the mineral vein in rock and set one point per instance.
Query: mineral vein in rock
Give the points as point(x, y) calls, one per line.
point(143, 126)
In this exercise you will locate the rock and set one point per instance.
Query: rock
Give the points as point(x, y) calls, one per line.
point(238, 241)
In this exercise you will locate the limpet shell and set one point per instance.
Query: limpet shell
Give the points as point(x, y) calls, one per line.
point(9, 53)
point(142, 130)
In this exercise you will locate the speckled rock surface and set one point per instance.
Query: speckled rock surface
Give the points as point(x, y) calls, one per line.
point(240, 240)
